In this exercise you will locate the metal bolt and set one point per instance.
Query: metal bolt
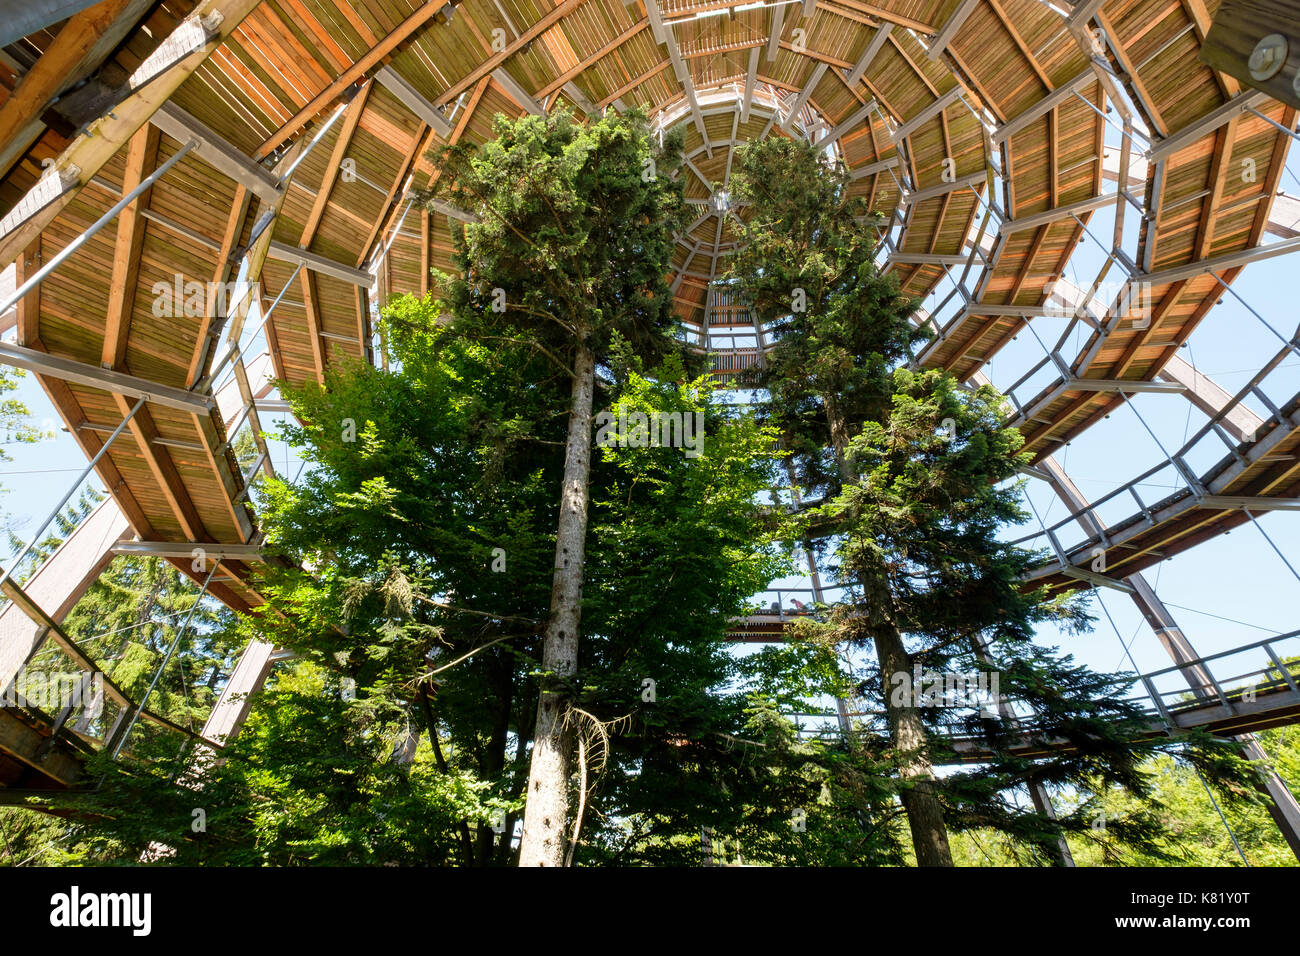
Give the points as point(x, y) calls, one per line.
point(1268, 57)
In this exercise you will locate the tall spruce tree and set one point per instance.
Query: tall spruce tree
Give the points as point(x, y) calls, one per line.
point(572, 245)
point(915, 481)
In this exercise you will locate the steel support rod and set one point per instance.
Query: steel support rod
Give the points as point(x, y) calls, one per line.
point(17, 295)
point(75, 485)
point(312, 145)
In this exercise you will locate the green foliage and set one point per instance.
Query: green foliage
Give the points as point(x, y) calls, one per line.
point(917, 481)
point(15, 417)
point(412, 568)
point(806, 265)
point(574, 236)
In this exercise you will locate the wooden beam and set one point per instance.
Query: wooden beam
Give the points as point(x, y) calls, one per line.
point(1200, 16)
point(374, 57)
point(801, 100)
point(29, 306)
point(222, 462)
point(633, 83)
point(180, 55)
point(310, 302)
point(392, 204)
point(141, 158)
point(880, 13)
point(1141, 95)
point(1218, 169)
point(58, 583)
point(1231, 40)
point(491, 63)
point(1020, 43)
point(587, 62)
point(82, 44)
point(209, 325)
point(164, 470)
point(351, 119)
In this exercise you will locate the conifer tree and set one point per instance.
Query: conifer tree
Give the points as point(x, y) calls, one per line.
point(571, 245)
point(916, 476)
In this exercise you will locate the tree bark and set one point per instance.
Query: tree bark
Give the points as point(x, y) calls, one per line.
point(546, 809)
point(919, 793)
point(907, 728)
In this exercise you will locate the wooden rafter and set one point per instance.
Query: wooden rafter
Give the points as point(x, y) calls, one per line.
point(1136, 83)
point(590, 61)
point(141, 156)
point(164, 470)
point(374, 58)
point(88, 153)
point(351, 119)
point(29, 306)
point(81, 45)
point(311, 304)
point(485, 68)
point(1020, 43)
point(419, 144)
point(208, 328)
point(1222, 154)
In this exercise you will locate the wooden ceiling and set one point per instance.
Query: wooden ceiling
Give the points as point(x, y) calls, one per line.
point(962, 121)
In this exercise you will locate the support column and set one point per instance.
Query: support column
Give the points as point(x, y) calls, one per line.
point(231, 709)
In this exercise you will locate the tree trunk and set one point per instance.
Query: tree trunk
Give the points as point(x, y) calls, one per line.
point(907, 729)
point(919, 796)
point(546, 809)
